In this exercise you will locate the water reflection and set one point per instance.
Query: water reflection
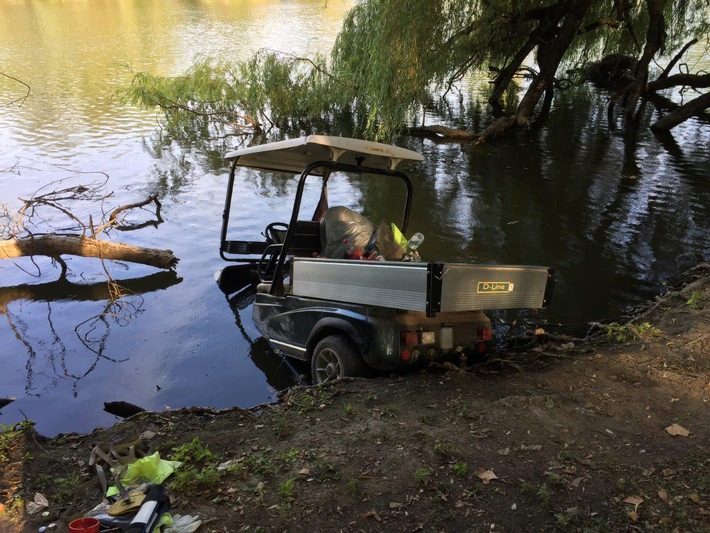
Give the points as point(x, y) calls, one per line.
point(280, 372)
point(611, 210)
point(71, 351)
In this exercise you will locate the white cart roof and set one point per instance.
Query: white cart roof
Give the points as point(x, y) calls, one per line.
point(295, 154)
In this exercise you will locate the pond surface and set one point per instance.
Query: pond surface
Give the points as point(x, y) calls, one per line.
point(612, 212)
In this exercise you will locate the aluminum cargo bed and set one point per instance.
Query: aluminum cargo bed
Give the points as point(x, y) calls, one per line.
point(426, 287)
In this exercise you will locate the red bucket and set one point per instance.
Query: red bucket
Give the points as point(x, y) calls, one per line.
point(84, 525)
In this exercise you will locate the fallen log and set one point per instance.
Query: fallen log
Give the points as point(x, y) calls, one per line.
point(54, 245)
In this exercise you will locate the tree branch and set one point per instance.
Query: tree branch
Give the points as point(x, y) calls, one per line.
point(599, 23)
point(696, 81)
point(675, 60)
point(683, 113)
point(443, 131)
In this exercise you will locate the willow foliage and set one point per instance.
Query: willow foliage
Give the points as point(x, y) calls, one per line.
point(393, 56)
point(267, 90)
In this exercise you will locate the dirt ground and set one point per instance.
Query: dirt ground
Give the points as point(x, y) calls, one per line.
point(607, 435)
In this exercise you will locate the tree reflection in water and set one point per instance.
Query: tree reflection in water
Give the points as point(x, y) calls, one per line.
point(52, 356)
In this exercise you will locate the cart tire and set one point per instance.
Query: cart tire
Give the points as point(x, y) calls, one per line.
point(336, 357)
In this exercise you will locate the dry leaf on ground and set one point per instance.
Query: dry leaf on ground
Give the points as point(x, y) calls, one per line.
point(371, 514)
point(575, 483)
point(634, 500)
point(675, 429)
point(486, 475)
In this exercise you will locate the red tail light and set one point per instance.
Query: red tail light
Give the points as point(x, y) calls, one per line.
point(409, 338)
point(485, 334)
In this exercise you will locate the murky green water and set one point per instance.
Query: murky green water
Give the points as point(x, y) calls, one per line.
point(612, 212)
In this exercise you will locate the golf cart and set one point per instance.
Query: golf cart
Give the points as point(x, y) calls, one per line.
point(349, 296)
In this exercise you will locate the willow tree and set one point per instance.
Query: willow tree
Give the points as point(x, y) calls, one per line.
point(393, 56)
point(392, 53)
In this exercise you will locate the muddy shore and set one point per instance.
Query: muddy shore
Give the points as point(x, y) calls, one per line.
point(611, 434)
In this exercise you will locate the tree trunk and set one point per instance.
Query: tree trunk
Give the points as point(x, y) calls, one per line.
point(53, 245)
point(504, 77)
point(682, 114)
point(655, 41)
point(549, 55)
point(500, 126)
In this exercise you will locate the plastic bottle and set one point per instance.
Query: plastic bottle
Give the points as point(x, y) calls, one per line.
point(414, 242)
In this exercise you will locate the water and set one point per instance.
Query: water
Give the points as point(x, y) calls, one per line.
point(610, 211)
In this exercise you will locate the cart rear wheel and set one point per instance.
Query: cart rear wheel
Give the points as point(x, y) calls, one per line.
point(336, 357)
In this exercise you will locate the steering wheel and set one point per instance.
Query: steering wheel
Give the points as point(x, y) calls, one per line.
point(274, 232)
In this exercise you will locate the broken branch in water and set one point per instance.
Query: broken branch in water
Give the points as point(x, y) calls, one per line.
point(153, 198)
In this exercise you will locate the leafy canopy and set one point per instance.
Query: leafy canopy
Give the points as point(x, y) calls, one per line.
point(392, 56)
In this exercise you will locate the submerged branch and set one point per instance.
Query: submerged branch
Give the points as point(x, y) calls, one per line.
point(444, 132)
point(21, 99)
point(112, 219)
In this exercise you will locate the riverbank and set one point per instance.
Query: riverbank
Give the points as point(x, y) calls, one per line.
point(612, 434)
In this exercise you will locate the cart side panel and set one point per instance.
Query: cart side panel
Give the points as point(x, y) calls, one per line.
point(393, 285)
point(480, 287)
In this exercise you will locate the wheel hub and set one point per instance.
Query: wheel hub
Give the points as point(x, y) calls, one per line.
point(330, 371)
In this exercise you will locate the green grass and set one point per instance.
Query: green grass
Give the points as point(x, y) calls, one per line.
point(460, 469)
point(423, 476)
point(199, 466)
point(324, 471)
point(696, 300)
point(286, 489)
point(443, 449)
point(631, 332)
point(543, 495)
point(354, 487)
point(8, 432)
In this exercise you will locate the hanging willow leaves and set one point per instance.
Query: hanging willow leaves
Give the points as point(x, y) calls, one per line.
point(268, 90)
point(393, 57)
